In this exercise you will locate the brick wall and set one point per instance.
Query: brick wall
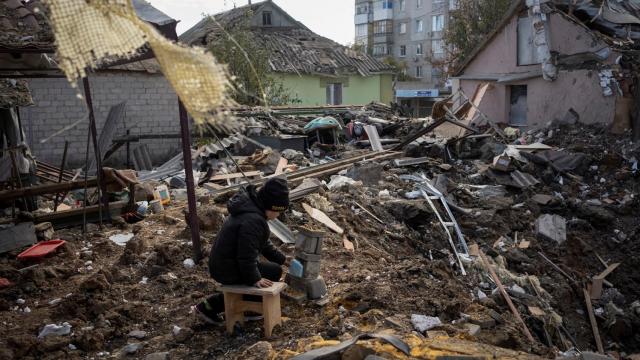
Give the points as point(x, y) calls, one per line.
point(152, 108)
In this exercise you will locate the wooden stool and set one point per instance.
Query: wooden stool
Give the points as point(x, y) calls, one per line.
point(235, 306)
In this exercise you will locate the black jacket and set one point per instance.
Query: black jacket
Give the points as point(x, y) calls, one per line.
point(243, 237)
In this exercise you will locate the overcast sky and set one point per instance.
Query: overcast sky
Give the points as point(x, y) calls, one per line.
point(330, 18)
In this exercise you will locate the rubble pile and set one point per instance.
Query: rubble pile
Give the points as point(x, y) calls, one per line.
point(523, 248)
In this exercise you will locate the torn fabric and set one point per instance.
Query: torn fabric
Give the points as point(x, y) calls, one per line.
point(87, 32)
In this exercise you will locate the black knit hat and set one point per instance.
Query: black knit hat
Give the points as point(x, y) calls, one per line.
point(274, 195)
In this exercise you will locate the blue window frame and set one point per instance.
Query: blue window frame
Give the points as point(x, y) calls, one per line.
point(387, 4)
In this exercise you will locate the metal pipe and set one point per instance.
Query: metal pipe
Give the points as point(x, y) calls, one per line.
point(102, 189)
point(191, 191)
point(64, 162)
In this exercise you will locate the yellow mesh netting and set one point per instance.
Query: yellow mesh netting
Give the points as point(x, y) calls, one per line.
point(88, 31)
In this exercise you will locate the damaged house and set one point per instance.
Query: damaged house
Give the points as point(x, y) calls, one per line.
point(314, 69)
point(556, 60)
point(150, 105)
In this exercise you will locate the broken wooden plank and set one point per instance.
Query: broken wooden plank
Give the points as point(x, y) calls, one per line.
point(506, 296)
point(556, 267)
point(282, 165)
point(596, 287)
point(248, 174)
point(369, 213)
point(411, 161)
point(322, 218)
point(594, 323)
point(609, 270)
point(17, 237)
point(8, 195)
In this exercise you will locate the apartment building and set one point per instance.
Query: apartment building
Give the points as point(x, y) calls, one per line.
point(411, 32)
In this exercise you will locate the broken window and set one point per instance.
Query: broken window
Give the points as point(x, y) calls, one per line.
point(403, 50)
point(419, 73)
point(334, 94)
point(527, 54)
point(266, 18)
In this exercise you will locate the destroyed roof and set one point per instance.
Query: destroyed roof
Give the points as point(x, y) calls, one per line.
point(292, 49)
point(14, 93)
point(24, 26)
point(617, 22)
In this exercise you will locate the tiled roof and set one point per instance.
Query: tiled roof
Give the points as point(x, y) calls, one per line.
point(295, 50)
point(23, 26)
point(14, 93)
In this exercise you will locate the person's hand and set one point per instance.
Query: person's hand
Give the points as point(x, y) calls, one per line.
point(264, 283)
point(288, 260)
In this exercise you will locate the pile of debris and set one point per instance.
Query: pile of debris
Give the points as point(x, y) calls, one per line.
point(474, 245)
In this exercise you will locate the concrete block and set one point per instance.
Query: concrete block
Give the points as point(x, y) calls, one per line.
point(473, 329)
point(308, 257)
point(308, 245)
point(316, 288)
point(17, 237)
point(552, 227)
point(311, 269)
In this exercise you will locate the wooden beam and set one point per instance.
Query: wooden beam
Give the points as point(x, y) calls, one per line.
point(9, 195)
point(506, 296)
point(592, 319)
point(248, 174)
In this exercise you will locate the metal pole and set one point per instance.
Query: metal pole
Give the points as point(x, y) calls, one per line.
point(102, 189)
point(62, 166)
point(128, 151)
point(191, 190)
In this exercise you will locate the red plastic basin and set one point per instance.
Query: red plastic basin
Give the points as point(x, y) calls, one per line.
point(41, 250)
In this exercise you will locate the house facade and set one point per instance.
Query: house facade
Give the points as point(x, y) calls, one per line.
point(315, 70)
point(411, 32)
point(588, 84)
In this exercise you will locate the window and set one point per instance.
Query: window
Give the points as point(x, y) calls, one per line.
point(387, 4)
point(418, 4)
point(527, 54)
point(437, 23)
point(403, 50)
point(419, 25)
point(419, 50)
point(383, 27)
point(403, 28)
point(437, 47)
point(334, 94)
point(362, 9)
point(403, 5)
point(419, 72)
point(380, 50)
point(362, 30)
point(266, 18)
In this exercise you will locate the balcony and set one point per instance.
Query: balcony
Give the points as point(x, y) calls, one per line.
point(363, 19)
point(382, 14)
point(384, 38)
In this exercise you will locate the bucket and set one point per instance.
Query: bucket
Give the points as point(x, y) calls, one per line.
point(156, 206)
